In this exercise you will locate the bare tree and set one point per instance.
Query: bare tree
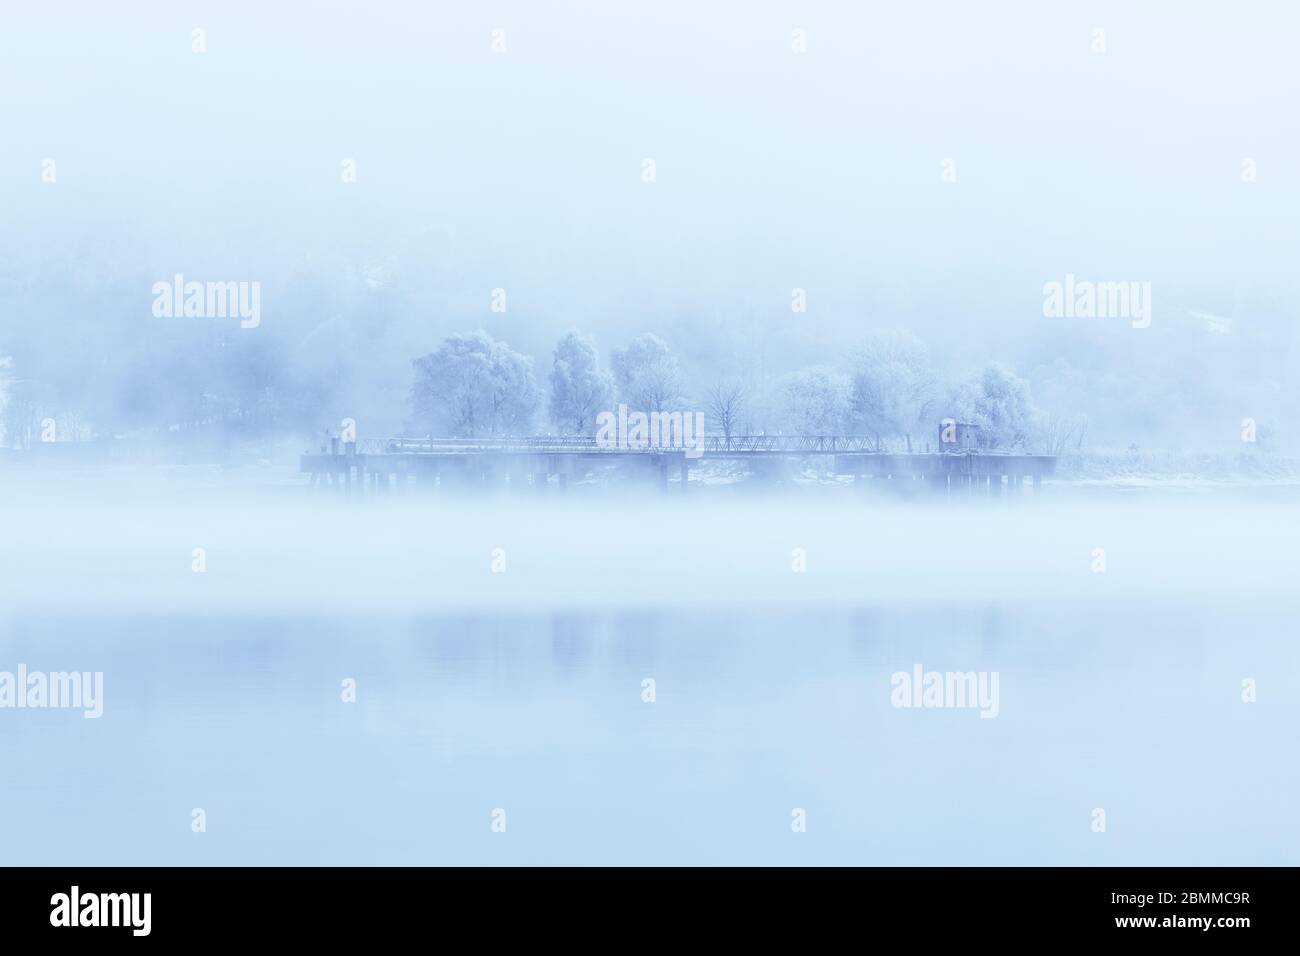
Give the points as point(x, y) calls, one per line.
point(1061, 432)
point(727, 401)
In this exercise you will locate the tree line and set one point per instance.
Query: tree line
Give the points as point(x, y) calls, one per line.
point(474, 385)
point(885, 388)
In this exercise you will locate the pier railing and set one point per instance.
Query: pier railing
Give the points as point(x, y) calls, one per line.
point(810, 444)
point(534, 460)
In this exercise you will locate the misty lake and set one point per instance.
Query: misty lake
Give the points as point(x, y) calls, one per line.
point(650, 681)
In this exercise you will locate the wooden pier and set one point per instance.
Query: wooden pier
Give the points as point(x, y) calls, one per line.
point(386, 466)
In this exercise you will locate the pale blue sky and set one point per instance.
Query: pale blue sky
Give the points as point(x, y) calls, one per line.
point(775, 170)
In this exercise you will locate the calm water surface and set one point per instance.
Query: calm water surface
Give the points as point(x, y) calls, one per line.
point(1136, 710)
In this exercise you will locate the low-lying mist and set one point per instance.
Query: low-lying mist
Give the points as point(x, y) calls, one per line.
point(198, 541)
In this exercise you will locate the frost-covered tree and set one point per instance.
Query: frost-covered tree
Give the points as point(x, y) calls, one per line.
point(474, 386)
point(20, 410)
point(647, 374)
point(814, 401)
point(1000, 404)
point(580, 388)
point(6, 384)
point(893, 387)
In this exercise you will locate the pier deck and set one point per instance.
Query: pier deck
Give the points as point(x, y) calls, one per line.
point(382, 465)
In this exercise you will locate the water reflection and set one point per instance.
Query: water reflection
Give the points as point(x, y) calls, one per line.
point(1132, 707)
